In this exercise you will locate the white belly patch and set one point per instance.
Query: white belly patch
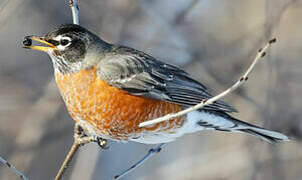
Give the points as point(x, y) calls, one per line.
point(190, 126)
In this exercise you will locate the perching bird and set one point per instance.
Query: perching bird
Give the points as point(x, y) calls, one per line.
point(110, 89)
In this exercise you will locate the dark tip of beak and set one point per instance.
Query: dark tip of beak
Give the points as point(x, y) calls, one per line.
point(27, 41)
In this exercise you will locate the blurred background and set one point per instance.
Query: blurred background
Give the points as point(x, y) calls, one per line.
point(214, 40)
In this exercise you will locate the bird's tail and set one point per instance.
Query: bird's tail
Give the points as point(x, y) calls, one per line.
point(264, 134)
point(224, 122)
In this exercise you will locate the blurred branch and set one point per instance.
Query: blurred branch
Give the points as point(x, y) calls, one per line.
point(275, 10)
point(261, 53)
point(274, 13)
point(33, 131)
point(223, 162)
point(4, 4)
point(13, 168)
point(176, 21)
point(7, 9)
point(185, 12)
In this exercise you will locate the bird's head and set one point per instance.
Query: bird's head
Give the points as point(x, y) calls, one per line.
point(69, 46)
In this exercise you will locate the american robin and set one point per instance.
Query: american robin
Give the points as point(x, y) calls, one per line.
point(110, 89)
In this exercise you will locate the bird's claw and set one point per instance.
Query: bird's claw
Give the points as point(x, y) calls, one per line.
point(101, 142)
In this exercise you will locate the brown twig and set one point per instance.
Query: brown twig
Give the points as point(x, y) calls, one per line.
point(80, 139)
point(273, 18)
point(67, 160)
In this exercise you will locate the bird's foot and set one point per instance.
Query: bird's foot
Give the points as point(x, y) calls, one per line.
point(82, 138)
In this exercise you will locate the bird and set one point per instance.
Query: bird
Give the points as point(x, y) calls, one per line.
point(110, 89)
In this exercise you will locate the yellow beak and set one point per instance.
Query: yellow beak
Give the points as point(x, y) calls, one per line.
point(28, 45)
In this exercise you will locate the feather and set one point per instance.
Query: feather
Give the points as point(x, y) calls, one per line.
point(142, 75)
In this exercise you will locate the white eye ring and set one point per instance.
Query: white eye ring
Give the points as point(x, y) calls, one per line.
point(65, 41)
point(62, 42)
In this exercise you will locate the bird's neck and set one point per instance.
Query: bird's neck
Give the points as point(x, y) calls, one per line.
point(63, 66)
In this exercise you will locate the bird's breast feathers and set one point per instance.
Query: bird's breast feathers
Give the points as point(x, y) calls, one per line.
point(110, 110)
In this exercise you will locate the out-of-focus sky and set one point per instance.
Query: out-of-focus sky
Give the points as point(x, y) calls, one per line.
point(213, 40)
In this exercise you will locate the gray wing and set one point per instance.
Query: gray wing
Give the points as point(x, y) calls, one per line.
point(142, 75)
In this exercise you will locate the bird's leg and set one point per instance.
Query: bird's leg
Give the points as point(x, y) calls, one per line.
point(80, 138)
point(150, 153)
point(87, 139)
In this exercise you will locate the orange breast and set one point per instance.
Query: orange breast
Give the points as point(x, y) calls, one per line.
point(111, 110)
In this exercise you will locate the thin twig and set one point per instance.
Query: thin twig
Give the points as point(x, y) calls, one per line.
point(261, 53)
point(75, 11)
point(80, 138)
point(13, 168)
point(67, 160)
point(141, 161)
point(273, 18)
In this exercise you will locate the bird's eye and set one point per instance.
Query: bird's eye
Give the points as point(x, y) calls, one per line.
point(64, 42)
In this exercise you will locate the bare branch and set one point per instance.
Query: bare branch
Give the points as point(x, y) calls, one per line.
point(67, 160)
point(80, 139)
point(150, 153)
point(75, 11)
point(261, 53)
point(13, 168)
